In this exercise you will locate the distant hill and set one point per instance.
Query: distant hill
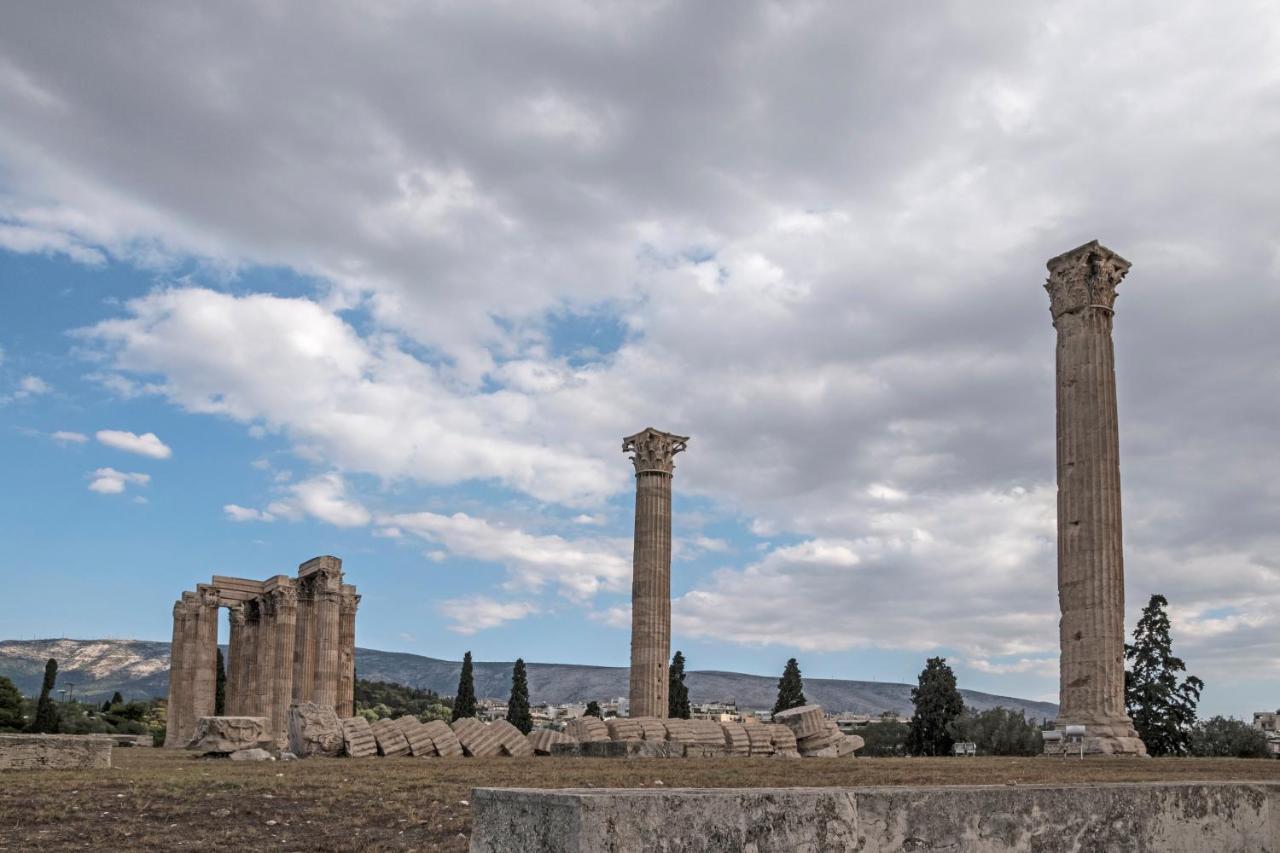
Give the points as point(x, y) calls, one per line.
point(138, 668)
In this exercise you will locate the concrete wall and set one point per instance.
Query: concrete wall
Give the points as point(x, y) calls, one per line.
point(1170, 818)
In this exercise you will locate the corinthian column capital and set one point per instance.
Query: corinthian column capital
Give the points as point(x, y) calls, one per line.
point(1085, 277)
point(653, 450)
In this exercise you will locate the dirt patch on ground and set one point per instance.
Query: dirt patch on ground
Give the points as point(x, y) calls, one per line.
point(157, 799)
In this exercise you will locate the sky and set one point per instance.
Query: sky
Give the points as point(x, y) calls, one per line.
point(391, 281)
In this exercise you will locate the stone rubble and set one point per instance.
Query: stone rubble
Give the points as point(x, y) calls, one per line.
point(225, 735)
point(391, 740)
point(357, 738)
point(314, 730)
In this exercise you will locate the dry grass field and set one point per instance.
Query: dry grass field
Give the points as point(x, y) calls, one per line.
point(168, 800)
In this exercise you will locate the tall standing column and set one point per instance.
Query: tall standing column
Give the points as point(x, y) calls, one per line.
point(284, 609)
point(1082, 290)
point(186, 723)
point(653, 453)
point(234, 700)
point(347, 651)
point(251, 703)
point(177, 680)
point(304, 649)
point(205, 680)
point(327, 617)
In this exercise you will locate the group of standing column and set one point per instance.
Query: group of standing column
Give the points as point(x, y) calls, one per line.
point(292, 640)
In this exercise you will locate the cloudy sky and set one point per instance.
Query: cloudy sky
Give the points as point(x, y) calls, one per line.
point(391, 281)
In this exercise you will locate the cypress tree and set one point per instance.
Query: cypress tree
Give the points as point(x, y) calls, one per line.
point(593, 710)
point(790, 688)
point(46, 721)
point(938, 704)
point(518, 705)
point(464, 703)
point(220, 688)
point(117, 698)
point(11, 718)
point(1163, 711)
point(677, 693)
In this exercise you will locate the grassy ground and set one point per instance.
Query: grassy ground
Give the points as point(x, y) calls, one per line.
point(155, 799)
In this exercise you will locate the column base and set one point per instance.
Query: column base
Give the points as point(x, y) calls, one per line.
point(1115, 738)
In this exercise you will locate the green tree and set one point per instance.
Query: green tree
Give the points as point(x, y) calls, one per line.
point(885, 739)
point(593, 710)
point(117, 698)
point(220, 687)
point(938, 704)
point(11, 716)
point(790, 688)
point(1222, 737)
point(677, 692)
point(46, 719)
point(998, 731)
point(518, 713)
point(464, 704)
point(1163, 711)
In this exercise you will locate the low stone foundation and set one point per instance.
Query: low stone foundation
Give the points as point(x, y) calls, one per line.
point(1172, 818)
point(54, 752)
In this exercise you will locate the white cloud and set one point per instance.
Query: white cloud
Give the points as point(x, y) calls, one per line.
point(478, 613)
point(68, 437)
point(579, 568)
point(31, 386)
point(323, 497)
point(146, 444)
point(109, 481)
point(236, 512)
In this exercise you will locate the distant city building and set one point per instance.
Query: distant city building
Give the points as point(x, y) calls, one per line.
point(721, 712)
point(1269, 723)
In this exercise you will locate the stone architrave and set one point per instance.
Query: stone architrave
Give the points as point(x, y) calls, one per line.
point(347, 651)
point(235, 663)
point(1082, 291)
point(653, 454)
point(177, 678)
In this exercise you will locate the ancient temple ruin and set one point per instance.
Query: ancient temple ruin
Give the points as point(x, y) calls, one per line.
point(1082, 292)
point(292, 640)
point(653, 453)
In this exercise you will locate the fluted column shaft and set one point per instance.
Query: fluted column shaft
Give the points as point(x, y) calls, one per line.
point(263, 656)
point(284, 605)
point(651, 596)
point(176, 677)
point(249, 671)
point(234, 699)
point(1082, 289)
point(186, 722)
point(205, 680)
point(327, 613)
point(653, 454)
point(347, 652)
point(304, 650)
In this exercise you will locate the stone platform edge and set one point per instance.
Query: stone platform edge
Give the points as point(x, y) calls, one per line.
point(1178, 817)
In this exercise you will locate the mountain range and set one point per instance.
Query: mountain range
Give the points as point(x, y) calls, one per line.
point(138, 669)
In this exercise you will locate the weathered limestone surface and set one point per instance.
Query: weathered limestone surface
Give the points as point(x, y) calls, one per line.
point(652, 728)
point(347, 651)
point(283, 603)
point(357, 738)
point(735, 738)
point(653, 453)
point(54, 752)
point(420, 743)
point(621, 749)
point(1171, 818)
point(477, 739)
point(1082, 291)
point(760, 737)
point(585, 729)
point(784, 740)
point(543, 739)
point(255, 754)
point(228, 734)
point(624, 728)
point(514, 742)
point(390, 738)
point(314, 730)
point(445, 740)
point(177, 677)
point(805, 721)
